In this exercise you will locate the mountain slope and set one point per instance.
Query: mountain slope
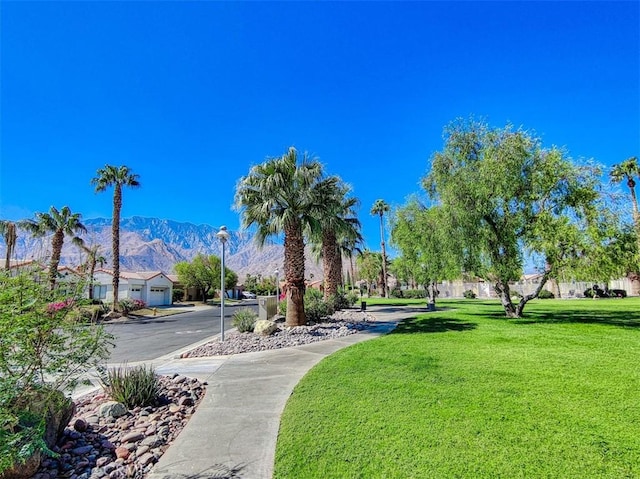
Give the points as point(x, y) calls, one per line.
point(148, 244)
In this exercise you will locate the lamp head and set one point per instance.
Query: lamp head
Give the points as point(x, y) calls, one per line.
point(223, 235)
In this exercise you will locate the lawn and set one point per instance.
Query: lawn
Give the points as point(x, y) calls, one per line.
point(464, 392)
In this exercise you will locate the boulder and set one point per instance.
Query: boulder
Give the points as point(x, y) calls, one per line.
point(113, 409)
point(264, 327)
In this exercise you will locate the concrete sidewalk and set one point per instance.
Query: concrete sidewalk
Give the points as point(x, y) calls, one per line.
point(233, 432)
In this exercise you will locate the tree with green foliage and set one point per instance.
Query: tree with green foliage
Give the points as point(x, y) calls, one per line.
point(506, 195)
point(280, 196)
point(118, 177)
point(42, 353)
point(370, 269)
point(431, 252)
point(203, 273)
point(61, 223)
point(379, 208)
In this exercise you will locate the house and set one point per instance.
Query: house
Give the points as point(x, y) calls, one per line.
point(153, 287)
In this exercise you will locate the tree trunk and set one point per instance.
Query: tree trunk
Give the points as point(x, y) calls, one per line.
point(294, 274)
point(331, 264)
point(384, 260)
point(503, 292)
point(115, 242)
point(56, 247)
point(92, 270)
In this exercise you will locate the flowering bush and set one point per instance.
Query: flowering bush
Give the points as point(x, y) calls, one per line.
point(127, 305)
point(59, 306)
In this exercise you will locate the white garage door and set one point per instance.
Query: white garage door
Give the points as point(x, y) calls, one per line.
point(156, 296)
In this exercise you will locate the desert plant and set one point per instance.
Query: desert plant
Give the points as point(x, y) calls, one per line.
point(40, 349)
point(338, 301)
point(352, 297)
point(315, 306)
point(282, 308)
point(132, 387)
point(244, 320)
point(469, 294)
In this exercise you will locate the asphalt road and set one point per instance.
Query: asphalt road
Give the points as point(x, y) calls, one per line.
point(147, 339)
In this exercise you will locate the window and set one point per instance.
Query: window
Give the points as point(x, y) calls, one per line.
point(136, 288)
point(100, 291)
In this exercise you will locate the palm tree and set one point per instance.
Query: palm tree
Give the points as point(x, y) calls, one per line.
point(380, 207)
point(349, 244)
point(8, 230)
point(61, 223)
point(337, 220)
point(627, 170)
point(116, 176)
point(93, 258)
point(280, 196)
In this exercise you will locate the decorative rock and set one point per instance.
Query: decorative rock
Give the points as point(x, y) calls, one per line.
point(102, 461)
point(185, 401)
point(78, 451)
point(146, 459)
point(174, 408)
point(122, 453)
point(264, 327)
point(179, 379)
point(132, 437)
point(113, 409)
point(80, 425)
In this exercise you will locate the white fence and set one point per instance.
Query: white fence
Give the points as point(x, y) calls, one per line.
point(574, 289)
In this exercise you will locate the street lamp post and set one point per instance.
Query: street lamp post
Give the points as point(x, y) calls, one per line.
point(223, 236)
point(277, 286)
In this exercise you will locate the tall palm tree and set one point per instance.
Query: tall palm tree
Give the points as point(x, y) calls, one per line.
point(279, 196)
point(337, 220)
point(93, 258)
point(349, 243)
point(626, 171)
point(61, 223)
point(116, 176)
point(380, 207)
point(8, 230)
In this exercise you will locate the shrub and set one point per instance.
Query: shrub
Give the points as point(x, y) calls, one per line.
point(545, 294)
point(338, 301)
point(396, 293)
point(352, 297)
point(40, 349)
point(618, 293)
point(244, 320)
point(127, 305)
point(469, 294)
point(414, 293)
point(177, 295)
point(315, 306)
point(134, 387)
point(282, 307)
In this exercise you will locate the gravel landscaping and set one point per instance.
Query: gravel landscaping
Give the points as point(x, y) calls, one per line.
point(97, 445)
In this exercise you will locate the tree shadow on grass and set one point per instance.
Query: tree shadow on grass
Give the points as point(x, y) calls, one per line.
point(432, 325)
point(612, 317)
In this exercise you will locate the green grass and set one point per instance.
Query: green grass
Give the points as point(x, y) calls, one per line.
point(464, 392)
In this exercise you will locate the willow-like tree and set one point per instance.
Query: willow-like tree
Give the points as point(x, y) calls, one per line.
point(118, 177)
point(379, 208)
point(203, 273)
point(280, 196)
point(429, 250)
point(61, 223)
point(508, 195)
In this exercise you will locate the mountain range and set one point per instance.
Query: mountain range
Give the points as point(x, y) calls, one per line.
point(152, 244)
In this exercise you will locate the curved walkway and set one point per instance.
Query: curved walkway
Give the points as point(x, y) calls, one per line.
point(234, 431)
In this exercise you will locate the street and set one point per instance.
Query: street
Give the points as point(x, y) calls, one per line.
point(147, 339)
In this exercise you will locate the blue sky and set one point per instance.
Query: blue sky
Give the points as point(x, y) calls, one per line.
point(191, 94)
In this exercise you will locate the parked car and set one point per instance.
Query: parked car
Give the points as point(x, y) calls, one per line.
point(248, 295)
